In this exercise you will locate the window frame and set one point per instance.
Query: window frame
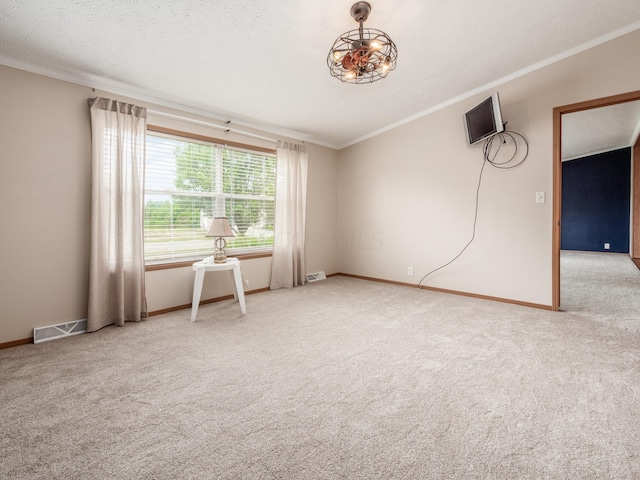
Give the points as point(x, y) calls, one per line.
point(260, 252)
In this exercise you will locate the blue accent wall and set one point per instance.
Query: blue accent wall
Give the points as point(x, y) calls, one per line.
point(596, 192)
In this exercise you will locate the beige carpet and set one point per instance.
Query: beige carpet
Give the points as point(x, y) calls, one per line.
point(340, 379)
point(605, 287)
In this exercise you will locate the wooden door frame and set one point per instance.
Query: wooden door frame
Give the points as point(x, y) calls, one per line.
point(557, 183)
point(635, 209)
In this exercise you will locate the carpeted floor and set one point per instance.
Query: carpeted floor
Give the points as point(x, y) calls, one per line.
point(341, 379)
point(603, 286)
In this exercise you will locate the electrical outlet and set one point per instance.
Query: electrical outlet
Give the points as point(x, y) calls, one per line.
point(246, 282)
point(410, 271)
point(607, 246)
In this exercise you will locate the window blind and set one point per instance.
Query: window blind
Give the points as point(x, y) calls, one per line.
point(189, 182)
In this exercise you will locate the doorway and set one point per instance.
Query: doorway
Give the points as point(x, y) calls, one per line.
point(557, 184)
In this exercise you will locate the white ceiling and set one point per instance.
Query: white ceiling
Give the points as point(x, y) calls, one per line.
point(600, 130)
point(263, 63)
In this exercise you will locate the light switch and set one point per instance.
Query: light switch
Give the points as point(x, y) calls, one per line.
point(539, 197)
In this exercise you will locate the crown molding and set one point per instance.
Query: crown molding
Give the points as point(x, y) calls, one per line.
point(152, 97)
point(501, 81)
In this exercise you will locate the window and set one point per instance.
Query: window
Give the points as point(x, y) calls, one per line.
point(188, 181)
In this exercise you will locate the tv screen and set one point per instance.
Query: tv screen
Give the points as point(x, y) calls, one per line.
point(484, 120)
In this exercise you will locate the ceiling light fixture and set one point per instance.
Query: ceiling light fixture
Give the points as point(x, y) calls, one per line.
point(363, 55)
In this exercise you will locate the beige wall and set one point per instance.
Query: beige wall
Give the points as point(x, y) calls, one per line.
point(45, 173)
point(45, 162)
point(407, 196)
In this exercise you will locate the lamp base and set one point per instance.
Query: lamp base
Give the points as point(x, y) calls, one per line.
point(220, 253)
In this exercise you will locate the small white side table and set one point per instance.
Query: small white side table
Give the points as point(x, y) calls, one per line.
point(207, 265)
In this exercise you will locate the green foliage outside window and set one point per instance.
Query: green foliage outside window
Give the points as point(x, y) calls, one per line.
point(200, 182)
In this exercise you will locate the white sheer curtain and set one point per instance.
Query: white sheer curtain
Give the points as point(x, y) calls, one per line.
point(288, 266)
point(116, 270)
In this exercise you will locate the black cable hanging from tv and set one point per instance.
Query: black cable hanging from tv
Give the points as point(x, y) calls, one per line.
point(489, 155)
point(504, 137)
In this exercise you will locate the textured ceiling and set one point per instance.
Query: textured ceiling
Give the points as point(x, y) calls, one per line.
point(264, 63)
point(600, 130)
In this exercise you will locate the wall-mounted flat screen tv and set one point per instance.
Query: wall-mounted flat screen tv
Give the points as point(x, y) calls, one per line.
point(484, 120)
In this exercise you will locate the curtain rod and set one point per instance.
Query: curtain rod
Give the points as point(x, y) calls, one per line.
point(224, 127)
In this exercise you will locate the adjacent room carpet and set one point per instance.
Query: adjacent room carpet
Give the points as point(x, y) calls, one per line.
point(341, 379)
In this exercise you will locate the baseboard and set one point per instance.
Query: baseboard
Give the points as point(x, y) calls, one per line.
point(15, 343)
point(203, 302)
point(25, 341)
point(452, 292)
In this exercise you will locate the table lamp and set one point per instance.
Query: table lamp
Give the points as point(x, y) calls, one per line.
point(220, 229)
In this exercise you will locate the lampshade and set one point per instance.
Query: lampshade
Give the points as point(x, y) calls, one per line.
point(220, 228)
point(363, 55)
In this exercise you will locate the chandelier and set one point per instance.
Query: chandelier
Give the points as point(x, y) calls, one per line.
point(363, 55)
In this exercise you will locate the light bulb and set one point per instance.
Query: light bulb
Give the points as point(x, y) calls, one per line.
point(349, 75)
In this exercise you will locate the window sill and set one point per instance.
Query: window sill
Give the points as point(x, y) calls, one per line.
point(188, 263)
